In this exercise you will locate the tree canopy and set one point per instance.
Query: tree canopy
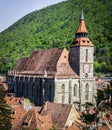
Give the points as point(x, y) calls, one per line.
point(5, 112)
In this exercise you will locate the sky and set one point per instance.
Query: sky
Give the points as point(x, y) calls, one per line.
point(13, 10)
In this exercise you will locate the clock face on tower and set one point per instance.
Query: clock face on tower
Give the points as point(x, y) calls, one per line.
point(86, 68)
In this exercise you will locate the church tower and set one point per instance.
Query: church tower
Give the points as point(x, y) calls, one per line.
point(81, 61)
point(81, 52)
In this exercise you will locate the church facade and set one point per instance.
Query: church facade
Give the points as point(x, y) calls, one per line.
point(57, 75)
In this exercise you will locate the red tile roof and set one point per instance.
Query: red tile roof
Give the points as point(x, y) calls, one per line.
point(82, 27)
point(17, 109)
point(59, 113)
point(82, 42)
point(33, 120)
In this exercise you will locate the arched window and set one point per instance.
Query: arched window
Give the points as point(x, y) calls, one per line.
point(87, 92)
point(75, 91)
point(63, 93)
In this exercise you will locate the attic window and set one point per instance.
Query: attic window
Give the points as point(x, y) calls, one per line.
point(76, 42)
point(83, 41)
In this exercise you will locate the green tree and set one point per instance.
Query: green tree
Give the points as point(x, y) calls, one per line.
point(5, 112)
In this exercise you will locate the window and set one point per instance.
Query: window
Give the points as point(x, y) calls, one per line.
point(86, 55)
point(63, 87)
point(64, 56)
point(63, 93)
point(87, 92)
point(75, 91)
point(86, 51)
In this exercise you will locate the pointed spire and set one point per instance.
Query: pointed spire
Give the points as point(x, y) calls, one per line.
point(82, 27)
point(81, 35)
point(82, 16)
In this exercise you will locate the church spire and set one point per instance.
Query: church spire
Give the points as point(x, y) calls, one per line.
point(82, 27)
point(82, 16)
point(81, 35)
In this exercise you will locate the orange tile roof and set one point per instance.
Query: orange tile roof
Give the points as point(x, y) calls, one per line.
point(33, 120)
point(82, 27)
point(82, 42)
point(19, 111)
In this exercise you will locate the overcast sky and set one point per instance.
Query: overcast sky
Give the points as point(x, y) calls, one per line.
point(12, 10)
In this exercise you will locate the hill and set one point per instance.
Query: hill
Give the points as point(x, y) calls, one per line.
point(55, 26)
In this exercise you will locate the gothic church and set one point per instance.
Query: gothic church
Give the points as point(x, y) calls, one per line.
point(57, 75)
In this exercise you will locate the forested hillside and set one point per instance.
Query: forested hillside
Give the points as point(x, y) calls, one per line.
point(55, 26)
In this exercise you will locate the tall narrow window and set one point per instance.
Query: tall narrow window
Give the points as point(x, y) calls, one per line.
point(86, 55)
point(87, 92)
point(63, 93)
point(75, 90)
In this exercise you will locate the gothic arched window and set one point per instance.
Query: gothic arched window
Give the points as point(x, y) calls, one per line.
point(87, 91)
point(75, 91)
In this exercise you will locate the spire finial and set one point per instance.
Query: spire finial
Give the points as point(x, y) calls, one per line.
point(82, 16)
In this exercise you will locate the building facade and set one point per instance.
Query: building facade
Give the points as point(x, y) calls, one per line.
point(57, 75)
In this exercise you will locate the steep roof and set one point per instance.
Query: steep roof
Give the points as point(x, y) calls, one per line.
point(81, 38)
point(33, 120)
point(82, 26)
point(59, 113)
point(48, 63)
point(20, 64)
point(40, 61)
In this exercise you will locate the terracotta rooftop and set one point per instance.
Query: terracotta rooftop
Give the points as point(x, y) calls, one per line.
point(82, 42)
point(17, 110)
point(59, 113)
point(33, 120)
point(82, 27)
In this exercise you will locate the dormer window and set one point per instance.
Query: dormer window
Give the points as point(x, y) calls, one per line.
point(83, 41)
